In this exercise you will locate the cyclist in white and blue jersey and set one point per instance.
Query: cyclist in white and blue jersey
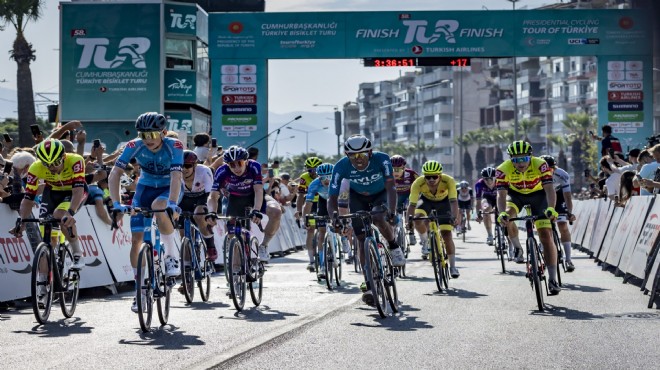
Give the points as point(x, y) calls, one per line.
point(158, 187)
point(318, 186)
point(371, 185)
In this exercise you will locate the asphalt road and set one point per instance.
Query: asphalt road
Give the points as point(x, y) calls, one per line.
point(486, 320)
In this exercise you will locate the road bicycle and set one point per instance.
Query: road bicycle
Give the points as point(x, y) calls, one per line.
point(243, 267)
point(535, 261)
point(197, 268)
point(52, 273)
point(439, 258)
point(501, 243)
point(354, 252)
point(327, 260)
point(463, 227)
point(400, 235)
point(560, 252)
point(378, 269)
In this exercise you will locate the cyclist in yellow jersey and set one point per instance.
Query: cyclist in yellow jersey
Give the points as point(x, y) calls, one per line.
point(435, 191)
point(525, 179)
point(65, 191)
point(303, 184)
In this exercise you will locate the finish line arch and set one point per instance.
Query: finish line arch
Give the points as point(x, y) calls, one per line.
point(240, 45)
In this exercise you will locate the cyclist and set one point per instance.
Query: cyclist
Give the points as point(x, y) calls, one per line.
point(318, 188)
point(403, 178)
point(525, 179)
point(65, 192)
point(241, 178)
point(485, 191)
point(371, 185)
point(158, 187)
point(304, 180)
point(197, 185)
point(465, 201)
point(435, 191)
point(562, 183)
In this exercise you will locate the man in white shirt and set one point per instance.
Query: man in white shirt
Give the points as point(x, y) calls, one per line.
point(648, 171)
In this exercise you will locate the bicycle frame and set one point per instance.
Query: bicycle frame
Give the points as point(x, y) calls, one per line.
point(154, 249)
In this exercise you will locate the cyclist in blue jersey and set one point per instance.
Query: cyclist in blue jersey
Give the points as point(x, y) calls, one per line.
point(485, 190)
point(371, 187)
point(158, 187)
point(241, 178)
point(318, 186)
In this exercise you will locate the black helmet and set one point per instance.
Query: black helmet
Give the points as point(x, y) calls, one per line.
point(550, 160)
point(488, 172)
point(235, 153)
point(150, 121)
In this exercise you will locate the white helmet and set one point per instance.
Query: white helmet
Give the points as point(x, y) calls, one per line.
point(357, 144)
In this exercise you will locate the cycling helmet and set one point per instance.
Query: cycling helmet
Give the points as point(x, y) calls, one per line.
point(464, 184)
point(49, 151)
point(313, 162)
point(189, 157)
point(550, 160)
point(357, 144)
point(397, 161)
point(488, 172)
point(150, 121)
point(324, 169)
point(432, 168)
point(235, 153)
point(519, 147)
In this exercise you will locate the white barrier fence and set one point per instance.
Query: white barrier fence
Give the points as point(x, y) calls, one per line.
point(622, 237)
point(106, 251)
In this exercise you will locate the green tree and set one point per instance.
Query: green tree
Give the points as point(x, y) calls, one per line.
point(528, 125)
point(19, 13)
point(583, 150)
point(562, 143)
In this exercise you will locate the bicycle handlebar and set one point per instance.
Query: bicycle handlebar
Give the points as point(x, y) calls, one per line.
point(43, 221)
point(239, 218)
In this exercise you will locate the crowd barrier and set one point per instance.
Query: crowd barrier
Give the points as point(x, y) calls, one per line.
point(106, 251)
point(623, 237)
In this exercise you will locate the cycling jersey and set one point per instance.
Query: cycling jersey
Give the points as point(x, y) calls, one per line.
point(464, 196)
point(538, 173)
point(367, 182)
point(303, 184)
point(404, 182)
point(240, 186)
point(316, 189)
point(561, 180)
point(72, 175)
point(483, 191)
point(155, 167)
point(446, 189)
point(202, 182)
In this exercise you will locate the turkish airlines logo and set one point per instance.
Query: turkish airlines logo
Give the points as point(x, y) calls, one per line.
point(181, 22)
point(443, 28)
point(129, 48)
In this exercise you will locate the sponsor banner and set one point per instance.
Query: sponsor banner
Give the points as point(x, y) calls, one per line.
point(239, 109)
point(180, 121)
point(180, 86)
point(625, 106)
point(429, 33)
point(96, 272)
point(180, 19)
point(625, 95)
point(624, 85)
point(626, 124)
point(239, 120)
point(239, 99)
point(116, 245)
point(238, 89)
point(110, 71)
point(626, 229)
point(625, 116)
point(641, 205)
point(16, 256)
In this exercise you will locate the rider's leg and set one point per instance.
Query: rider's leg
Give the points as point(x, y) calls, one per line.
point(549, 250)
point(274, 213)
point(200, 220)
point(449, 244)
point(565, 237)
point(167, 236)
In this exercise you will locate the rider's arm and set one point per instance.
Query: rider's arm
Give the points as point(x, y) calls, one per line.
point(31, 191)
point(568, 198)
point(78, 186)
point(332, 204)
point(414, 196)
point(454, 209)
point(26, 208)
point(308, 208)
point(212, 203)
point(390, 188)
point(176, 167)
point(258, 196)
point(113, 183)
point(501, 199)
point(550, 194)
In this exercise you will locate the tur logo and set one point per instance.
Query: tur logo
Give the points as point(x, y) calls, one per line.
point(417, 31)
point(178, 21)
point(95, 50)
point(180, 84)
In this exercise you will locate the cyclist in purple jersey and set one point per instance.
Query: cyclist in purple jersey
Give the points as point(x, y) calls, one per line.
point(241, 178)
point(159, 186)
point(486, 191)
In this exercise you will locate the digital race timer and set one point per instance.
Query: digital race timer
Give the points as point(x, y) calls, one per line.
point(417, 62)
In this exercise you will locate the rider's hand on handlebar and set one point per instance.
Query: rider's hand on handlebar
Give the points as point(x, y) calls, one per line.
point(503, 218)
point(551, 213)
point(17, 230)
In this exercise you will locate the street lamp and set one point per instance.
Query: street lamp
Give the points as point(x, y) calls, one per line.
point(307, 135)
point(337, 123)
point(515, 83)
point(419, 90)
point(277, 140)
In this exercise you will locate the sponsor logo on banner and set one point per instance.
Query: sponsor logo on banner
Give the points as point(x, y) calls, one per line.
point(624, 85)
point(248, 79)
point(634, 65)
point(247, 69)
point(238, 89)
point(239, 99)
point(229, 79)
point(239, 120)
point(625, 95)
point(583, 41)
point(239, 109)
point(420, 31)
point(616, 75)
point(180, 84)
point(229, 69)
point(15, 256)
point(129, 48)
point(625, 116)
point(634, 75)
point(638, 106)
point(181, 22)
point(616, 66)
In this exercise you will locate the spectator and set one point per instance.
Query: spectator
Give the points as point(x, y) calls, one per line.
point(627, 189)
point(287, 189)
point(649, 171)
point(172, 134)
point(275, 169)
point(253, 153)
point(608, 141)
point(202, 143)
point(68, 146)
point(613, 177)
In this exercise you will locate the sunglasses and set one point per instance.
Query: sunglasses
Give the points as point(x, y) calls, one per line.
point(521, 159)
point(236, 164)
point(488, 179)
point(398, 169)
point(188, 165)
point(325, 177)
point(144, 135)
point(310, 170)
point(431, 177)
point(56, 163)
point(358, 155)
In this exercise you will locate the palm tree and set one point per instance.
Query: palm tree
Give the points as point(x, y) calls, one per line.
point(464, 142)
point(562, 143)
point(18, 13)
point(501, 138)
point(583, 151)
point(527, 125)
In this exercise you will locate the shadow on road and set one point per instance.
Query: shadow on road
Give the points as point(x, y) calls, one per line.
point(58, 329)
point(567, 313)
point(166, 337)
point(583, 288)
point(401, 321)
point(201, 306)
point(260, 314)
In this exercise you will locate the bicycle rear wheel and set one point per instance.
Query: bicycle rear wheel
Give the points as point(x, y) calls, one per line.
point(339, 257)
point(70, 280)
point(188, 272)
point(256, 274)
point(144, 287)
point(444, 261)
point(374, 276)
point(356, 260)
point(205, 269)
point(532, 250)
point(328, 260)
point(225, 256)
point(560, 254)
point(436, 262)
point(390, 283)
point(237, 274)
point(42, 284)
point(165, 285)
point(502, 248)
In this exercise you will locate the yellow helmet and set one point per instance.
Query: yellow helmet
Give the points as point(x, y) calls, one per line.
point(313, 162)
point(49, 151)
point(432, 168)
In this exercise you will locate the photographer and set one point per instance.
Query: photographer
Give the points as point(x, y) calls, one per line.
point(608, 141)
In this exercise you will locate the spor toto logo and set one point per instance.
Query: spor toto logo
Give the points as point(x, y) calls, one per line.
point(95, 50)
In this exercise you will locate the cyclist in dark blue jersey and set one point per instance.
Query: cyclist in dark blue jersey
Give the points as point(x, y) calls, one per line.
point(371, 187)
point(486, 191)
point(158, 187)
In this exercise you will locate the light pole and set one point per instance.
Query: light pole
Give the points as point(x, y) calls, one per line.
point(338, 126)
point(307, 135)
point(419, 90)
point(277, 140)
point(515, 84)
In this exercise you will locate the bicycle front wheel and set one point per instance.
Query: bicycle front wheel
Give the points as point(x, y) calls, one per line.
point(237, 275)
point(356, 260)
point(436, 262)
point(144, 287)
point(502, 248)
point(225, 256)
point(390, 283)
point(164, 284)
point(256, 274)
point(42, 283)
point(204, 268)
point(188, 272)
point(339, 258)
point(70, 280)
point(560, 254)
point(654, 289)
point(533, 257)
point(328, 262)
point(375, 277)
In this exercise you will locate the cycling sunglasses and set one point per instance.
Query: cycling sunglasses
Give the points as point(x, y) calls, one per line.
point(358, 155)
point(56, 163)
point(188, 165)
point(237, 163)
point(431, 177)
point(325, 177)
point(144, 135)
point(521, 159)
